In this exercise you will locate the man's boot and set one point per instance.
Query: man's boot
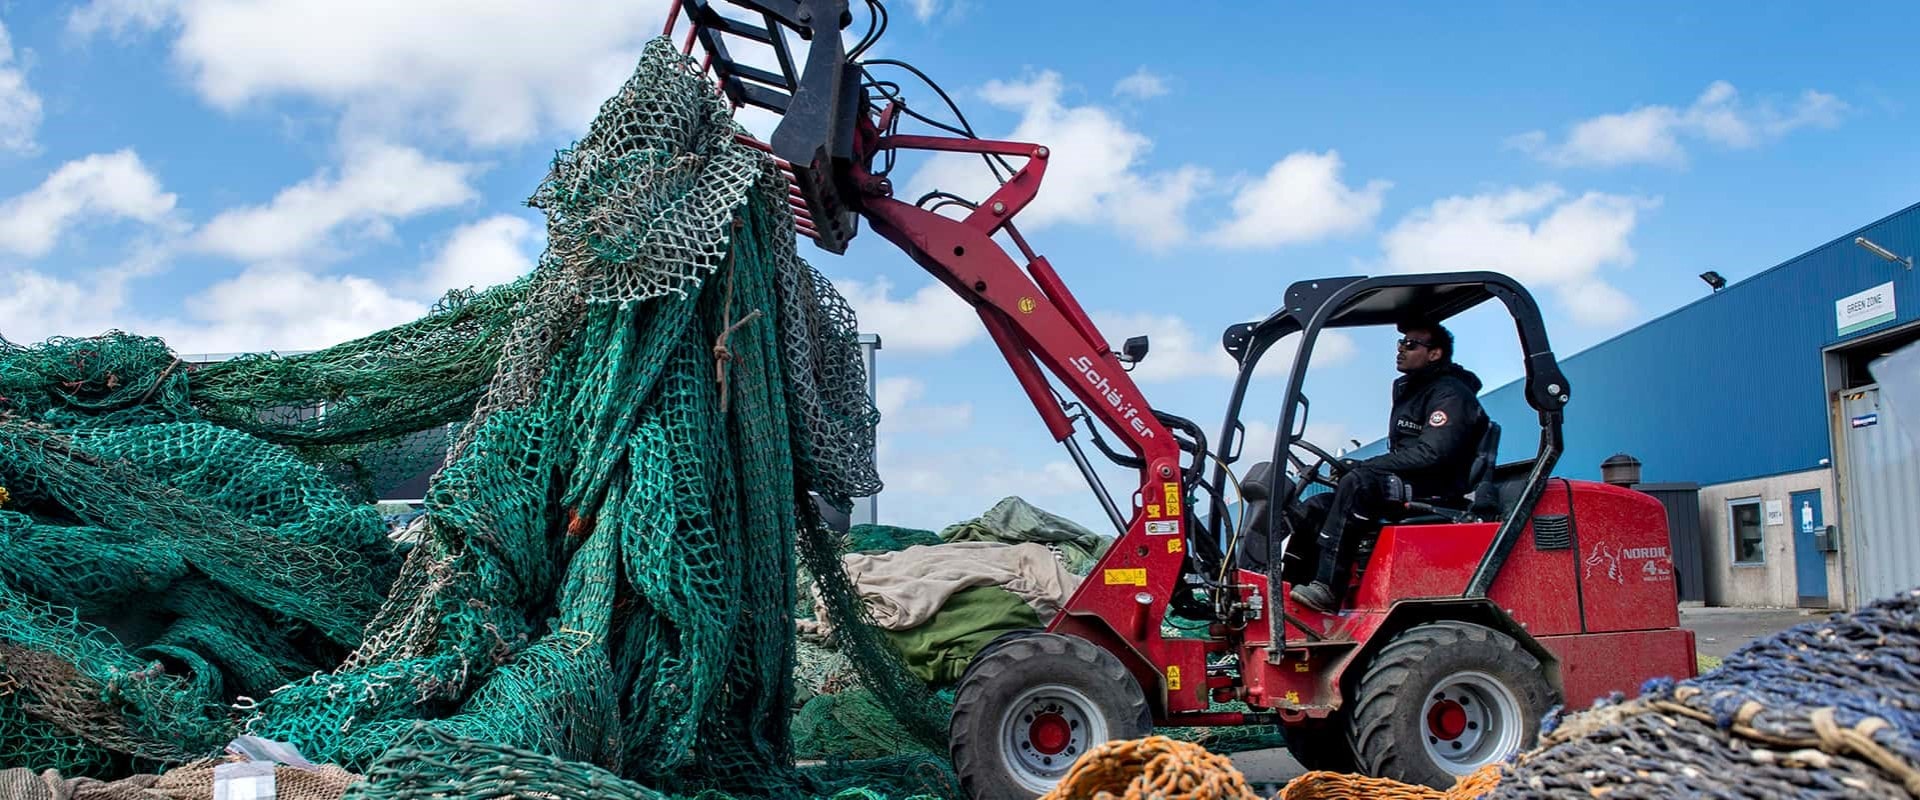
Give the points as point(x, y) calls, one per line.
point(1317, 596)
point(1320, 595)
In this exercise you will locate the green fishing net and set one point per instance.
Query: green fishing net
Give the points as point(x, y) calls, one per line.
point(624, 448)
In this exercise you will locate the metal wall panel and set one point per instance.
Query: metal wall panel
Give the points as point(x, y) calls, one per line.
point(1883, 498)
point(1745, 363)
point(1682, 501)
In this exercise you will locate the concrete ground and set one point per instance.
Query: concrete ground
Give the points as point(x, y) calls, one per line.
point(1717, 632)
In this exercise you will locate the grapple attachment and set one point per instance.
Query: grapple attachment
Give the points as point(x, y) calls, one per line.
point(750, 47)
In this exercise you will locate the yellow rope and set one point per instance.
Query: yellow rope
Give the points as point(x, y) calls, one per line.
point(1320, 785)
point(1159, 768)
point(1153, 768)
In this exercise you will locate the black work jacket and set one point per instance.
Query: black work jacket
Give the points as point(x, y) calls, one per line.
point(1434, 431)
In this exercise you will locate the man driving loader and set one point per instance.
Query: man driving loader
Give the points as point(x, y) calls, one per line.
point(1433, 436)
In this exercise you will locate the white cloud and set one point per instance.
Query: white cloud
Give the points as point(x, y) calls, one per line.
point(267, 306)
point(1652, 134)
point(493, 251)
point(37, 306)
point(938, 469)
point(99, 186)
point(1300, 199)
point(493, 72)
point(901, 411)
point(931, 320)
point(1596, 303)
point(121, 17)
point(930, 488)
point(19, 106)
point(924, 10)
point(1094, 172)
point(1156, 214)
point(379, 184)
point(1538, 235)
point(1142, 84)
point(1175, 352)
point(1257, 446)
point(270, 308)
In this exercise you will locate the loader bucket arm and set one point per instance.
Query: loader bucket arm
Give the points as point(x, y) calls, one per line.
point(838, 140)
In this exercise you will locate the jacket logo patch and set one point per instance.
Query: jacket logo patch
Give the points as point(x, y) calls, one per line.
point(1438, 419)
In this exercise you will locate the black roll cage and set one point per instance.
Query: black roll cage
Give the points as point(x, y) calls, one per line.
point(1313, 306)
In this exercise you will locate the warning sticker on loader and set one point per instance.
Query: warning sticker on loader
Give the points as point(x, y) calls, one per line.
point(1153, 511)
point(1173, 677)
point(1173, 545)
point(1135, 576)
point(1173, 499)
point(1164, 528)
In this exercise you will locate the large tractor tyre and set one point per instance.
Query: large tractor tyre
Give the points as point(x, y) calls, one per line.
point(1443, 699)
point(1321, 746)
point(995, 642)
point(1031, 706)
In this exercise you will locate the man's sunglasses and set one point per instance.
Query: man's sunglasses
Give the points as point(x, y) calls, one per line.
point(1409, 344)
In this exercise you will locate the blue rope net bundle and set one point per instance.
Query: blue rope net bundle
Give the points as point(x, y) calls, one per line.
point(1826, 709)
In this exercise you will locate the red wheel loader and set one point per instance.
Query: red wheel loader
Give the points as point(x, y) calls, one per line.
point(1464, 621)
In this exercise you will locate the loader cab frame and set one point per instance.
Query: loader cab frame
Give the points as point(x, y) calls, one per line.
point(1313, 306)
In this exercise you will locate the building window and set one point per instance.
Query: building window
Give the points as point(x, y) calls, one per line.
point(1744, 522)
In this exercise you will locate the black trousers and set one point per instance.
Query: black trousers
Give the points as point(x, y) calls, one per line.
point(1329, 525)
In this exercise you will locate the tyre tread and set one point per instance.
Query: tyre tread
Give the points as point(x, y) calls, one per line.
point(982, 694)
point(1383, 685)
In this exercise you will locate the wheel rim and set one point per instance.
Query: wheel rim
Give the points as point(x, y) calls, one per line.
point(1468, 721)
point(1044, 730)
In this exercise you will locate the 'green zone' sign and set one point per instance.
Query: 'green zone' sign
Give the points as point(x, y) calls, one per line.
point(1864, 310)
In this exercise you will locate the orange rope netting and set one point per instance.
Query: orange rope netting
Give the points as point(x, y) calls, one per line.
point(1153, 768)
point(1159, 768)
point(1342, 786)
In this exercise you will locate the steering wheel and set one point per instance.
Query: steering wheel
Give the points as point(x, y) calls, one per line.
point(1311, 474)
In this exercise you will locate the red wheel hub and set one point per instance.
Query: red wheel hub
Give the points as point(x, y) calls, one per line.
point(1049, 733)
point(1447, 719)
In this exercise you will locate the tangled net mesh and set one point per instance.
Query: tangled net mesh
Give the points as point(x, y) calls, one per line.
point(627, 443)
point(1825, 709)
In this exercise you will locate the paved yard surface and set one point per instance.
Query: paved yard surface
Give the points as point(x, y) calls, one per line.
point(1717, 632)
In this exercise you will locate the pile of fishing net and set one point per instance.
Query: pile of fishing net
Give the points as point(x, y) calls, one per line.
point(1826, 709)
point(1829, 708)
point(837, 717)
point(628, 444)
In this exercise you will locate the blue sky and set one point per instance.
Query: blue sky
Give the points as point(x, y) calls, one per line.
point(293, 173)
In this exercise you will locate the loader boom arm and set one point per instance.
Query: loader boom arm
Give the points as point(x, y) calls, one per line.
point(830, 154)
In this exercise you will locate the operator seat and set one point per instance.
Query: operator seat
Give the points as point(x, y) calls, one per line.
point(1482, 500)
point(1253, 488)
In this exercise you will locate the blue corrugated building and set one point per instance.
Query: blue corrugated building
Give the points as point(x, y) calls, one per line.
point(1763, 396)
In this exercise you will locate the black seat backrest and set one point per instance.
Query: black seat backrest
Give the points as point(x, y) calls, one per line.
point(1259, 506)
point(1480, 478)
